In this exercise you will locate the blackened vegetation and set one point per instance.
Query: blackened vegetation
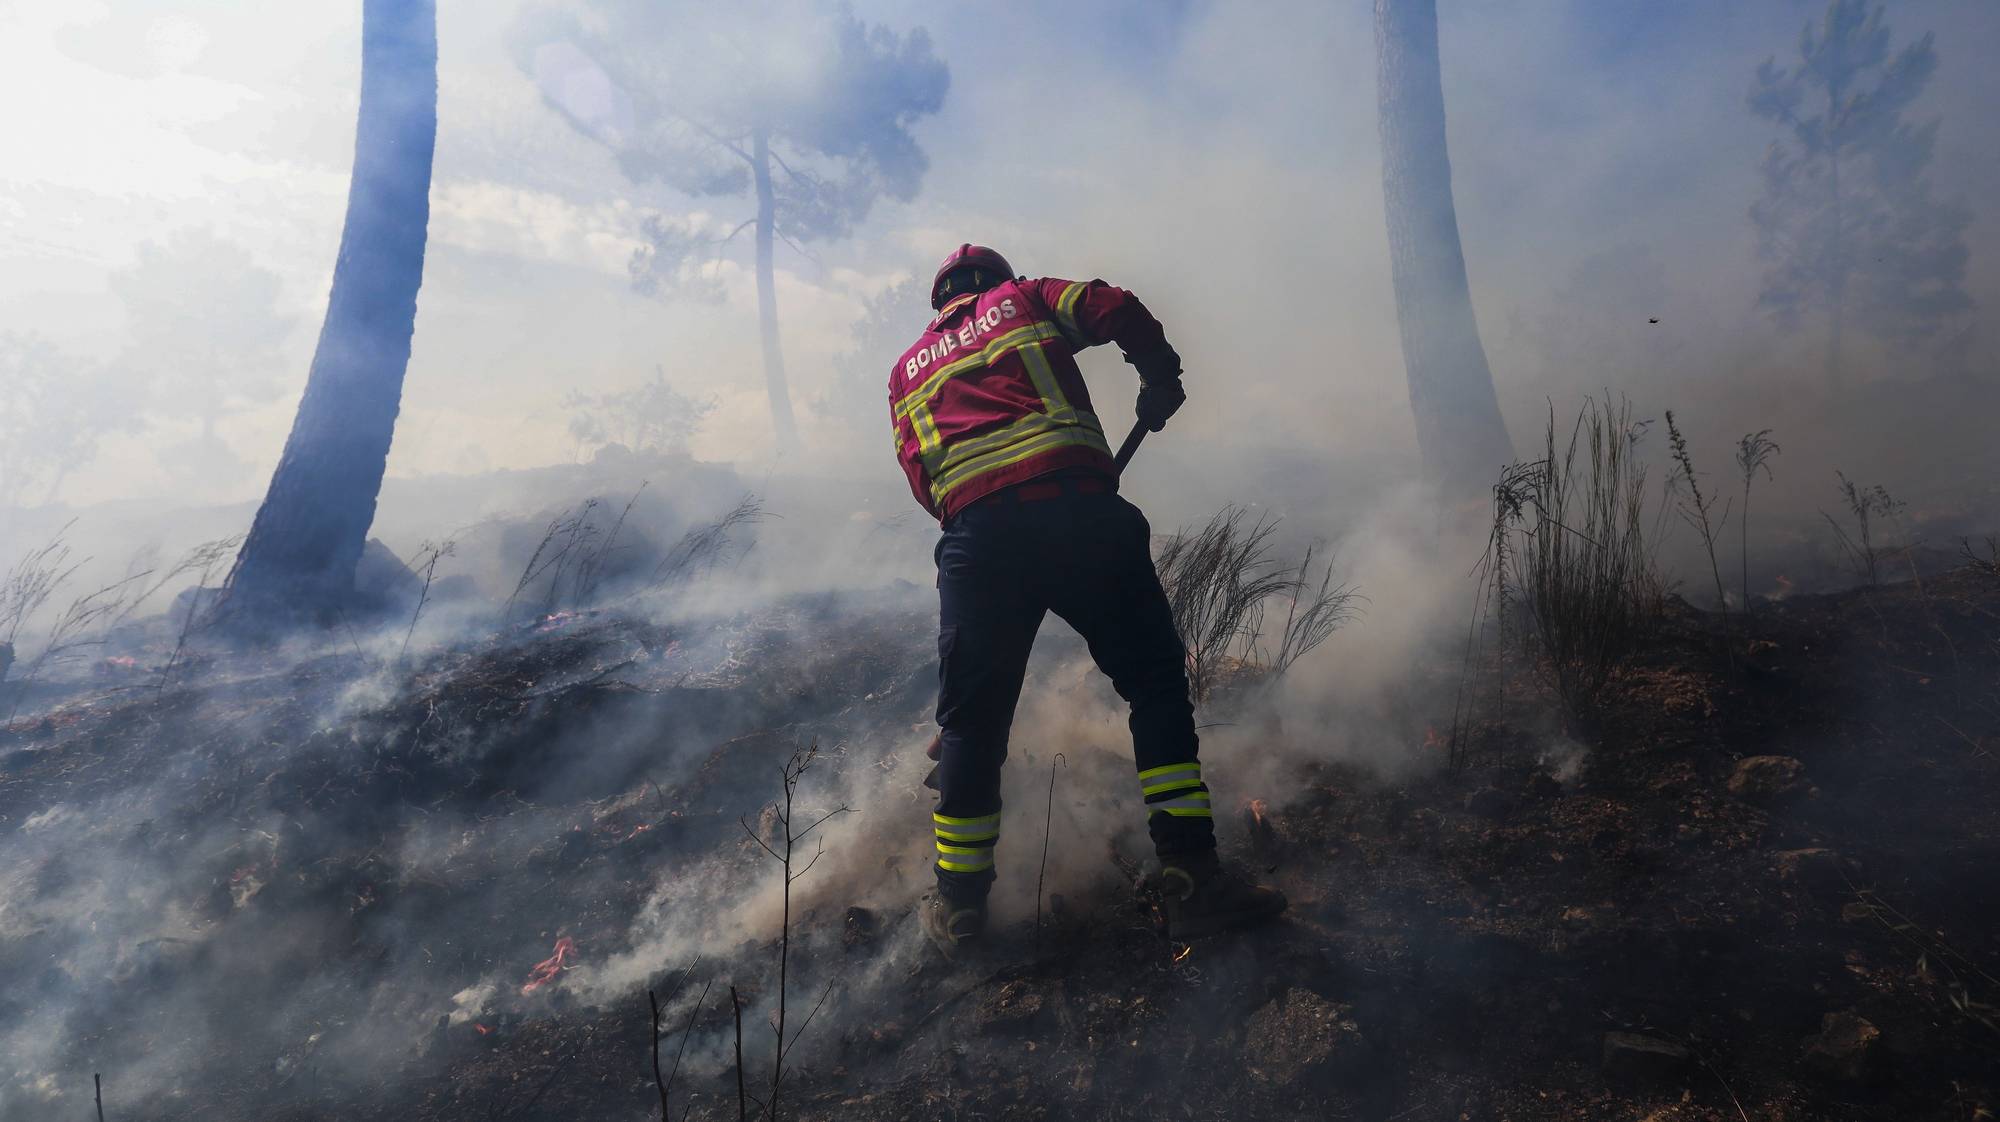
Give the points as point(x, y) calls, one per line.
point(309, 881)
point(1566, 575)
point(1764, 892)
point(585, 560)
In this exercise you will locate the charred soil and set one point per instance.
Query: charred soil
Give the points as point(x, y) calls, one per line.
point(1765, 888)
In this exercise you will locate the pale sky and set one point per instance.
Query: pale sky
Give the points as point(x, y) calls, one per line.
point(1219, 158)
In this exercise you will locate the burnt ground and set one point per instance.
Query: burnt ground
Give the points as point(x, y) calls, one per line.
point(1655, 929)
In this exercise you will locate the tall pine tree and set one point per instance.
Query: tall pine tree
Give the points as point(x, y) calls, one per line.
point(1846, 225)
point(1459, 431)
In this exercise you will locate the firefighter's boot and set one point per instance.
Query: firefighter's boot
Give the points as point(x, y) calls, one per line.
point(1202, 896)
point(953, 928)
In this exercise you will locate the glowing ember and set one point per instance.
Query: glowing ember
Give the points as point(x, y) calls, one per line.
point(482, 1030)
point(1257, 809)
point(1181, 955)
point(1433, 739)
point(546, 970)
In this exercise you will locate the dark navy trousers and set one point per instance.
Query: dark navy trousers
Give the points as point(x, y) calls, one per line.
point(1087, 557)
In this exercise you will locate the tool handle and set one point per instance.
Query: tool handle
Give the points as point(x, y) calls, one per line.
point(1130, 446)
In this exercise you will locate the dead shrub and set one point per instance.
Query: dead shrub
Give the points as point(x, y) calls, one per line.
point(1219, 580)
point(1864, 505)
point(1566, 568)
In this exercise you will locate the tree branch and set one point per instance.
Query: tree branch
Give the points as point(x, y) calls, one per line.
point(841, 809)
point(760, 841)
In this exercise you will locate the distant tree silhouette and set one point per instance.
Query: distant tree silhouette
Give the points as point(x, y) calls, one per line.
point(858, 392)
point(651, 417)
point(797, 104)
point(1846, 224)
point(54, 407)
point(299, 557)
point(203, 338)
point(1459, 429)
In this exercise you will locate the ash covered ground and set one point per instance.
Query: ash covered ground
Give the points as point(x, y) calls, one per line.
point(339, 881)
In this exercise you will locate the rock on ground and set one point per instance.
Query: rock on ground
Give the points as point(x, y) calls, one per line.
point(1846, 1049)
point(1299, 1036)
point(1633, 1056)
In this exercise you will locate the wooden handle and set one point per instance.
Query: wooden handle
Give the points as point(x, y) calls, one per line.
point(1130, 446)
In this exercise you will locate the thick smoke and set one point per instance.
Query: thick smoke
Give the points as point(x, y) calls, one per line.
point(275, 877)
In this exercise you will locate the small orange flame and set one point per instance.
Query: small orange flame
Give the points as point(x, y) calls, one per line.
point(481, 1029)
point(1181, 955)
point(546, 970)
point(1257, 809)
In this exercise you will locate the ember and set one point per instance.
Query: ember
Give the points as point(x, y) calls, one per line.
point(546, 970)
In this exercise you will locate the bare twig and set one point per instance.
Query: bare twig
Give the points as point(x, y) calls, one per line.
point(666, 1084)
point(823, 995)
point(1865, 504)
point(701, 549)
point(1048, 821)
point(428, 556)
point(1753, 453)
point(800, 762)
point(203, 561)
point(682, 1051)
point(742, 1100)
point(1696, 509)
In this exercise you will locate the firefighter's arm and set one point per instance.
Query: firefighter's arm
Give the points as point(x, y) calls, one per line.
point(1093, 312)
point(906, 454)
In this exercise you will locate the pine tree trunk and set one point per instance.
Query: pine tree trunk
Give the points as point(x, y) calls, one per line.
point(1459, 431)
point(782, 423)
point(1837, 285)
point(298, 560)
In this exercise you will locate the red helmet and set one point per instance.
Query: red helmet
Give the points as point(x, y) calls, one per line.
point(969, 256)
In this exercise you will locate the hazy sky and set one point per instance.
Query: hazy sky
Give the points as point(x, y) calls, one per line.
point(1219, 158)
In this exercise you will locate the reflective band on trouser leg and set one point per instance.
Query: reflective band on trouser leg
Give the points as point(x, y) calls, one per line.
point(965, 845)
point(1175, 789)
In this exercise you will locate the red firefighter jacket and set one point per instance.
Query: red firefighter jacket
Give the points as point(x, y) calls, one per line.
point(991, 395)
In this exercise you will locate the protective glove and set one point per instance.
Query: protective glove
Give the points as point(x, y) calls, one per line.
point(1159, 401)
point(1160, 393)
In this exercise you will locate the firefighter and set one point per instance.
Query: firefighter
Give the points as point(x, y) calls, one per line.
point(995, 432)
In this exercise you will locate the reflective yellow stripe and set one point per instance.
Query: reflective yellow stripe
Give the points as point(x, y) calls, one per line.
point(1066, 436)
point(984, 356)
point(964, 850)
point(1187, 806)
point(947, 835)
point(1066, 315)
point(1172, 785)
point(965, 867)
point(990, 821)
point(1044, 377)
point(947, 461)
point(926, 429)
point(1156, 772)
